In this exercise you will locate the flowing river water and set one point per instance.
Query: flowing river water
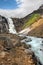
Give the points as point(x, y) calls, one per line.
point(36, 46)
point(36, 43)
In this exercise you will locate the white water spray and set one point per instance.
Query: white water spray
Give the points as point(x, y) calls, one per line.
point(11, 26)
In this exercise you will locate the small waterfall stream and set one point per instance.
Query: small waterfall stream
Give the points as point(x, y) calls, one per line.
point(11, 26)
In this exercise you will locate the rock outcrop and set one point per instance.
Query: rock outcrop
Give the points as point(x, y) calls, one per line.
point(3, 25)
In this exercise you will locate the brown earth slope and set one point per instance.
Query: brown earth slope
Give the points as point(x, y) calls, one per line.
point(37, 28)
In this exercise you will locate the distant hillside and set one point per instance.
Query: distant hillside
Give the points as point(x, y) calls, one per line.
point(37, 29)
point(35, 15)
point(38, 11)
point(20, 23)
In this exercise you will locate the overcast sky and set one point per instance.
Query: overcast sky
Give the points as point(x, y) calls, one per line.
point(18, 8)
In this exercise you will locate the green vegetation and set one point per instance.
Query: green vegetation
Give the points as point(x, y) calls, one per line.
point(32, 19)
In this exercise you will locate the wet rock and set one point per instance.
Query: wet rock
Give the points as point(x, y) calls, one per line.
point(22, 38)
point(41, 50)
point(7, 45)
point(28, 40)
point(3, 25)
point(18, 44)
point(39, 63)
point(42, 41)
point(26, 46)
point(42, 44)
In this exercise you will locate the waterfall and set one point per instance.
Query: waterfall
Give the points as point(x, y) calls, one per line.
point(11, 26)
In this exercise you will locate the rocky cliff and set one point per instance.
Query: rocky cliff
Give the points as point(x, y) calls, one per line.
point(3, 25)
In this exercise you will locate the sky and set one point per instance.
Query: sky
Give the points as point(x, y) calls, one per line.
point(8, 4)
point(18, 8)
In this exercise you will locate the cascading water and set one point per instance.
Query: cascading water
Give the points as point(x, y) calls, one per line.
point(36, 47)
point(11, 26)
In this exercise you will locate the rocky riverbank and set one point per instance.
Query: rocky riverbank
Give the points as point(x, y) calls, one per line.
point(14, 52)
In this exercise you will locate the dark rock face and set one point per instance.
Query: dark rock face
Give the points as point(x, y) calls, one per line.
point(18, 23)
point(41, 7)
point(3, 25)
point(7, 45)
point(28, 40)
